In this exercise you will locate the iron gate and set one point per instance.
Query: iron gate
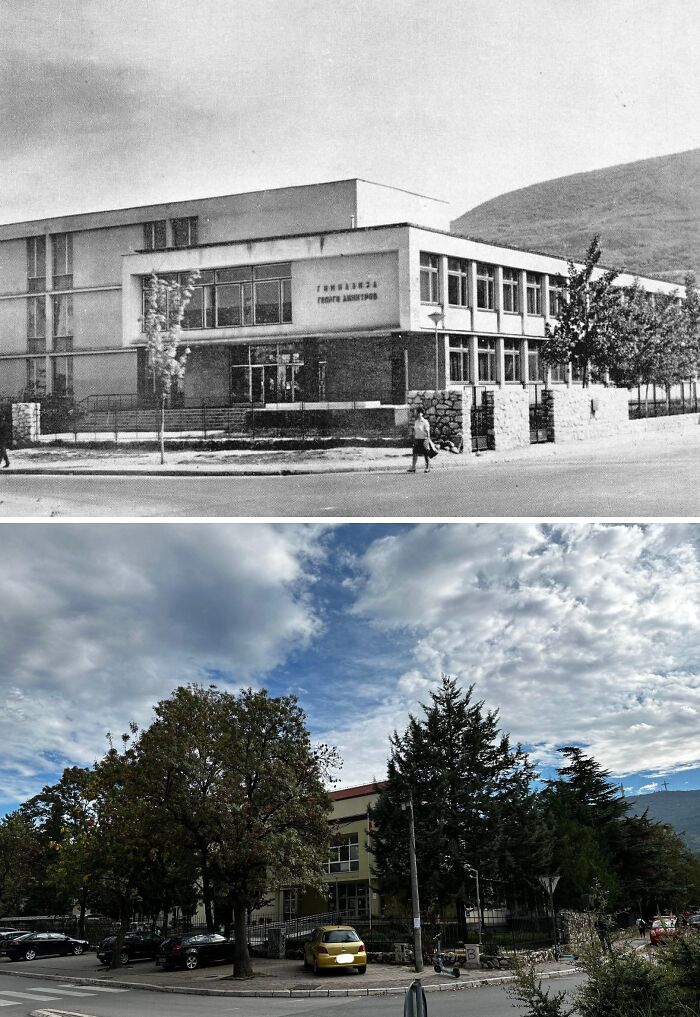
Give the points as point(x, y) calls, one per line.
point(481, 421)
point(540, 430)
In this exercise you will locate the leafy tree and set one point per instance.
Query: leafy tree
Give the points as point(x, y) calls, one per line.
point(470, 790)
point(244, 788)
point(585, 331)
point(166, 301)
point(20, 862)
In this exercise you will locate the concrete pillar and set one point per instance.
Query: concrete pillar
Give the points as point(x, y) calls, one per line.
point(442, 282)
point(49, 313)
point(471, 269)
point(474, 359)
point(525, 363)
point(545, 296)
point(498, 295)
point(523, 300)
point(500, 362)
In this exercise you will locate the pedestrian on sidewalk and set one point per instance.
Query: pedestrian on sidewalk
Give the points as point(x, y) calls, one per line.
point(5, 439)
point(421, 440)
point(642, 928)
point(603, 935)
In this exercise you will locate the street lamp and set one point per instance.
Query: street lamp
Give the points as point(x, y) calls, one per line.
point(417, 939)
point(470, 868)
point(436, 317)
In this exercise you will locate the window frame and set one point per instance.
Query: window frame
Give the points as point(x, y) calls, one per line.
point(557, 294)
point(533, 285)
point(486, 285)
point(343, 843)
point(150, 235)
point(430, 276)
point(61, 258)
point(192, 230)
point(511, 290)
point(458, 277)
point(486, 352)
point(459, 353)
point(36, 258)
point(512, 360)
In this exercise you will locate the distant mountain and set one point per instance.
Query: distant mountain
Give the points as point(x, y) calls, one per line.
point(680, 809)
point(647, 213)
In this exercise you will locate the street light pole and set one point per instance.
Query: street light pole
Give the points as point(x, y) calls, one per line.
point(435, 317)
point(417, 938)
point(470, 868)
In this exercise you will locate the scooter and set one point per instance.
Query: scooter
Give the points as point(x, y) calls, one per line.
point(439, 961)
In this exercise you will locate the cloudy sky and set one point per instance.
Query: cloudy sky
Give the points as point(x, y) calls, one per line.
point(107, 104)
point(577, 633)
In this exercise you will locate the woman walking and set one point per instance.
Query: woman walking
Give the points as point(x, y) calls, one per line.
point(421, 440)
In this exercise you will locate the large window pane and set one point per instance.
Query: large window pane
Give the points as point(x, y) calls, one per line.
point(63, 316)
point(36, 317)
point(484, 287)
point(62, 246)
point(281, 271)
point(192, 318)
point(228, 305)
point(429, 278)
point(36, 263)
point(267, 303)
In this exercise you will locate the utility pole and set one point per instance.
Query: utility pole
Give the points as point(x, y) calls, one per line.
point(417, 938)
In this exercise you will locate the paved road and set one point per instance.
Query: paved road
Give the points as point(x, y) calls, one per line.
point(628, 484)
point(23, 996)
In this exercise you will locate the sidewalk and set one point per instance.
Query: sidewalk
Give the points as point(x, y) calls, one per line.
point(120, 459)
point(273, 978)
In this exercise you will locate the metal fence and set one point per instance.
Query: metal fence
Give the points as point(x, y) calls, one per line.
point(663, 400)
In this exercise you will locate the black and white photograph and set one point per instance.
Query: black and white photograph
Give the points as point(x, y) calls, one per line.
point(349, 506)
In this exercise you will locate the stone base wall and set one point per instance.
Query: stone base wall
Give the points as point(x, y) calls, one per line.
point(511, 418)
point(675, 422)
point(26, 419)
point(579, 414)
point(448, 412)
point(577, 929)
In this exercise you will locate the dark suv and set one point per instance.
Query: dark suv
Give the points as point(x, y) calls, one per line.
point(194, 950)
point(136, 946)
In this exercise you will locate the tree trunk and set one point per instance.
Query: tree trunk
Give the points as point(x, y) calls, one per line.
point(81, 919)
point(242, 967)
point(116, 961)
point(162, 428)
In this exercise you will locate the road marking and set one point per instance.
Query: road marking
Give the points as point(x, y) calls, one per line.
point(92, 988)
point(67, 990)
point(26, 995)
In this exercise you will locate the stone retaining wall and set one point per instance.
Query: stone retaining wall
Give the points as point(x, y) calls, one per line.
point(511, 418)
point(580, 414)
point(674, 422)
point(25, 421)
point(577, 929)
point(448, 412)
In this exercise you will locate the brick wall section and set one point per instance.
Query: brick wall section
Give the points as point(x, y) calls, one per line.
point(573, 417)
point(511, 418)
point(25, 421)
point(448, 412)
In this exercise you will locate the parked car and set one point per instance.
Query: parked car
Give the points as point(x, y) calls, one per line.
point(6, 935)
point(44, 944)
point(335, 946)
point(663, 927)
point(136, 946)
point(194, 951)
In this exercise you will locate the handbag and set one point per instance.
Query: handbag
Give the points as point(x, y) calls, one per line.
point(431, 449)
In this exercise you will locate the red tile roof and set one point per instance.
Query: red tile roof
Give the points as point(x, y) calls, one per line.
point(357, 792)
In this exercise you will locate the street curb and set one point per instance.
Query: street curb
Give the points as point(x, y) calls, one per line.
point(153, 472)
point(393, 990)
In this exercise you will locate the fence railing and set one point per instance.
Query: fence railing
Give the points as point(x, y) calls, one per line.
point(662, 400)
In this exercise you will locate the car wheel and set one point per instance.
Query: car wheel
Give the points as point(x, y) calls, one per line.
point(361, 969)
point(78, 949)
point(29, 954)
point(124, 957)
point(191, 961)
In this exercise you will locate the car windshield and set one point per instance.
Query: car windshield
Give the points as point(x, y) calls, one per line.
point(341, 936)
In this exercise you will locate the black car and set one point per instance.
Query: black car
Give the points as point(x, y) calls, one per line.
point(195, 950)
point(7, 934)
point(136, 946)
point(44, 944)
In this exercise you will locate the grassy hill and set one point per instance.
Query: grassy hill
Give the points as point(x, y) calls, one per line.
point(647, 213)
point(680, 809)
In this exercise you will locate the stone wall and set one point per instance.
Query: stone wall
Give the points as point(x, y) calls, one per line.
point(448, 412)
point(511, 418)
point(25, 421)
point(576, 929)
point(675, 422)
point(579, 414)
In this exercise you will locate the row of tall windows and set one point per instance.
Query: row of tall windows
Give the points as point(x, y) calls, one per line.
point(344, 854)
point(458, 287)
point(62, 262)
point(247, 295)
point(460, 365)
point(184, 232)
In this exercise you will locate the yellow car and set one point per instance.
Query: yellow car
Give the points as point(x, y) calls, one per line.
point(335, 946)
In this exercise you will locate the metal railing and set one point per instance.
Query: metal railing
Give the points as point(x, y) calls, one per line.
point(663, 400)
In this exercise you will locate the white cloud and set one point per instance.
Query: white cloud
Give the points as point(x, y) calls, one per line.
point(576, 632)
point(101, 621)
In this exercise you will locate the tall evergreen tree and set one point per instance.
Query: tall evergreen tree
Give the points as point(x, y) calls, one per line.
point(470, 792)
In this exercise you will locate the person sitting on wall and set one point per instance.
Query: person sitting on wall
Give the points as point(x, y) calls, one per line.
point(421, 440)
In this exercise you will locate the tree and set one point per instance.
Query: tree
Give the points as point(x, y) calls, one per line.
point(20, 861)
point(585, 331)
point(244, 788)
point(470, 791)
point(166, 301)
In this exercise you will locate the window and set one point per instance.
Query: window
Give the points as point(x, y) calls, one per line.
point(484, 287)
point(63, 370)
point(511, 359)
point(36, 318)
point(511, 296)
point(535, 365)
point(62, 245)
point(459, 358)
point(343, 855)
point(557, 288)
point(349, 898)
point(534, 293)
point(36, 264)
point(154, 235)
point(429, 278)
point(558, 372)
point(486, 353)
point(185, 231)
point(62, 316)
point(260, 295)
point(457, 290)
point(36, 375)
point(290, 903)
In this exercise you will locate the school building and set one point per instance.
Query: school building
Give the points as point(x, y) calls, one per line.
point(321, 295)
